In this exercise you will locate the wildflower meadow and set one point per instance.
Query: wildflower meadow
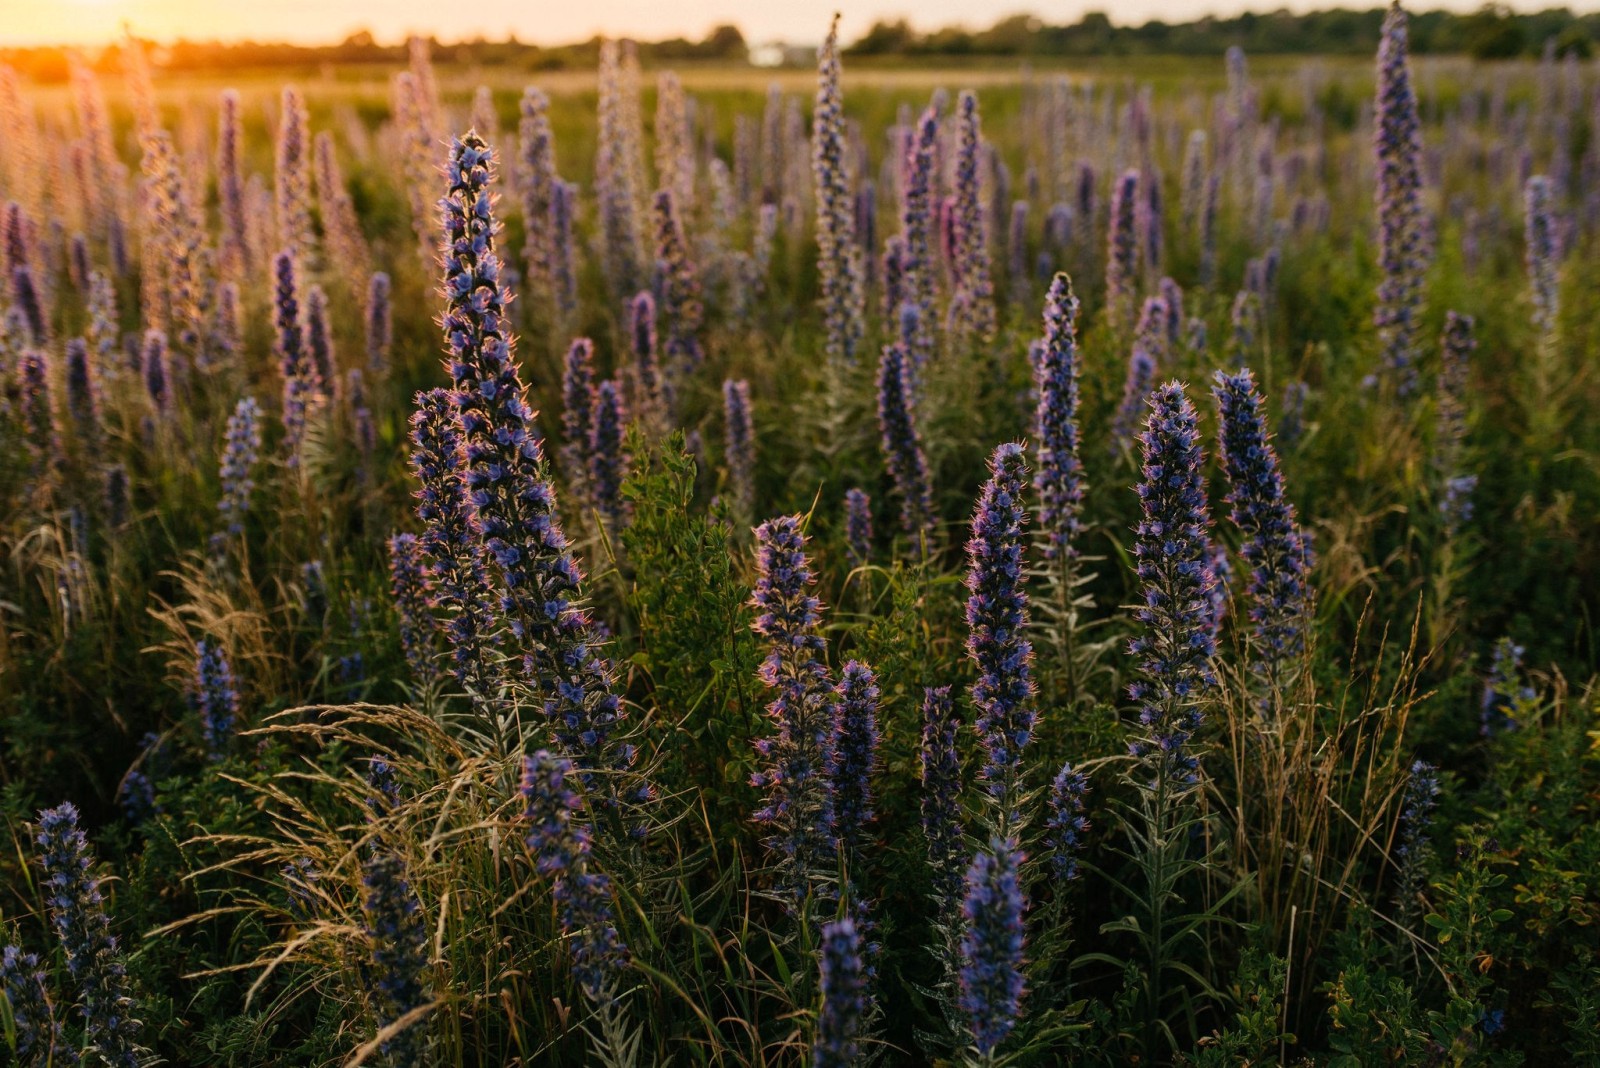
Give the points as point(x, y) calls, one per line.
point(931, 564)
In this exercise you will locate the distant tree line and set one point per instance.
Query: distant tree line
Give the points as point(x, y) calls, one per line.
point(1492, 32)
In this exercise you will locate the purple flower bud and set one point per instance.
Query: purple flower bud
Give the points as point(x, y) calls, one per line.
point(991, 980)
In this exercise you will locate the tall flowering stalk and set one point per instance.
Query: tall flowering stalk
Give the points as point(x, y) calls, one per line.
point(564, 262)
point(992, 943)
point(216, 697)
point(319, 339)
point(1065, 823)
point(838, 254)
point(230, 187)
point(1176, 648)
point(82, 403)
point(379, 323)
point(997, 619)
point(157, 373)
point(292, 177)
point(562, 850)
point(902, 446)
point(1414, 847)
point(1450, 426)
point(608, 465)
point(300, 385)
point(511, 493)
point(457, 568)
point(577, 411)
point(915, 266)
point(1274, 548)
point(1173, 656)
point(1505, 690)
point(408, 584)
point(799, 756)
point(739, 449)
point(681, 312)
point(78, 914)
point(939, 760)
point(36, 411)
point(615, 185)
point(538, 181)
point(397, 930)
point(858, 526)
point(972, 306)
point(1542, 243)
point(1059, 475)
point(644, 374)
point(39, 1042)
point(1141, 377)
point(240, 450)
point(845, 999)
point(1403, 254)
point(855, 751)
point(1122, 257)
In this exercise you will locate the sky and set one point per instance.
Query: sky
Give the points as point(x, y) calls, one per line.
point(90, 22)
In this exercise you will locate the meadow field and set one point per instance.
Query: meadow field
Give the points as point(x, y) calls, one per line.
point(912, 565)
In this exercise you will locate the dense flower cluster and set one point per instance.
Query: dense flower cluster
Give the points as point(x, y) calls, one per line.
point(838, 254)
point(915, 263)
point(940, 769)
point(216, 698)
point(997, 622)
point(972, 304)
point(1174, 652)
point(844, 998)
point(457, 570)
point(78, 914)
point(561, 848)
point(1274, 548)
point(1504, 691)
point(1543, 256)
point(607, 464)
point(902, 445)
point(1059, 476)
point(397, 931)
point(1450, 425)
point(1066, 824)
point(799, 756)
point(992, 944)
point(240, 450)
point(855, 750)
point(38, 1032)
point(739, 448)
point(858, 526)
point(1402, 226)
point(408, 584)
point(1122, 259)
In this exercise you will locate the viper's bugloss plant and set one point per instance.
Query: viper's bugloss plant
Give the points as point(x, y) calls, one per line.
point(1414, 846)
point(798, 757)
point(1058, 475)
point(561, 845)
point(408, 585)
point(915, 265)
point(1274, 548)
point(739, 450)
point(858, 526)
point(300, 384)
point(939, 761)
point(997, 624)
point(1122, 257)
point(845, 1003)
point(838, 254)
point(457, 567)
point(1065, 822)
point(94, 960)
point(397, 932)
point(1403, 252)
point(379, 321)
point(1450, 422)
point(1542, 256)
point(608, 465)
point(992, 943)
point(972, 304)
point(902, 445)
point(216, 697)
point(1505, 691)
point(1174, 651)
point(39, 1042)
point(577, 410)
point(855, 751)
point(681, 312)
point(241, 448)
point(513, 500)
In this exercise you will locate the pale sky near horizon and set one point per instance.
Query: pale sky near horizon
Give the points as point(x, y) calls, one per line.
point(92, 22)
